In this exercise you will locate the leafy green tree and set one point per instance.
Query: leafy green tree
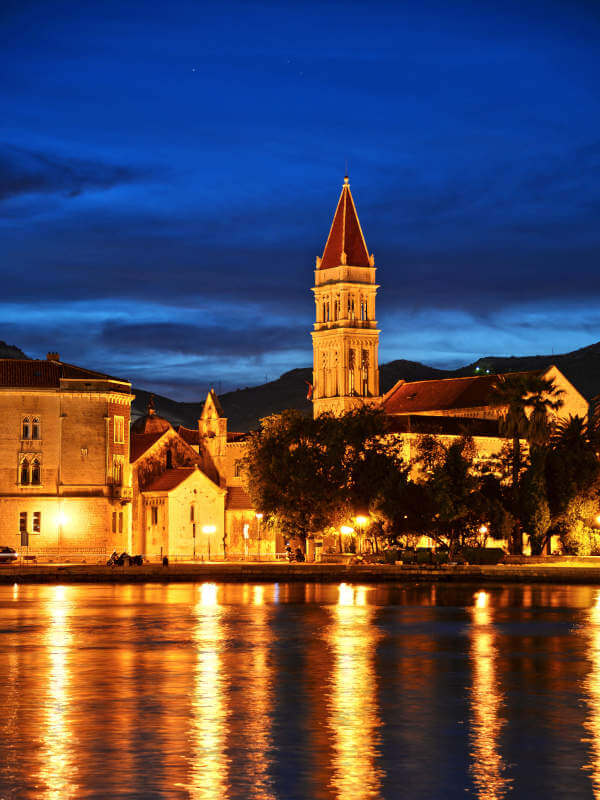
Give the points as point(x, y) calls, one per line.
point(527, 400)
point(306, 475)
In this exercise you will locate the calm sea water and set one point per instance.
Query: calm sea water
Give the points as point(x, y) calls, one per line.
point(292, 691)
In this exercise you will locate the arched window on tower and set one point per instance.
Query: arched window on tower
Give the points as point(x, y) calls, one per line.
point(351, 367)
point(364, 373)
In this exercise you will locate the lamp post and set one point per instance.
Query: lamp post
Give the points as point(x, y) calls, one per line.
point(259, 517)
point(362, 523)
point(346, 530)
point(208, 529)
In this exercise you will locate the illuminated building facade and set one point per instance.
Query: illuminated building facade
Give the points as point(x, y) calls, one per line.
point(65, 481)
point(345, 336)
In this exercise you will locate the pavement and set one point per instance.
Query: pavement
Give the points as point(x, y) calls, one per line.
point(281, 572)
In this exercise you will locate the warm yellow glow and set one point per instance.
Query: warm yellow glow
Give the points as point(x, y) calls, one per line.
point(208, 727)
point(15, 591)
point(208, 594)
point(362, 521)
point(592, 689)
point(258, 515)
point(258, 595)
point(61, 518)
point(487, 765)
point(483, 529)
point(346, 529)
point(209, 528)
point(353, 706)
point(58, 773)
point(598, 520)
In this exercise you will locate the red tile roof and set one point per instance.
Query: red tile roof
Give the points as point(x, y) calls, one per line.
point(170, 479)
point(446, 394)
point(345, 235)
point(140, 442)
point(48, 374)
point(238, 499)
point(189, 435)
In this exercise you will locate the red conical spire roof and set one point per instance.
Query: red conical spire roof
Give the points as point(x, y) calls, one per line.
point(345, 243)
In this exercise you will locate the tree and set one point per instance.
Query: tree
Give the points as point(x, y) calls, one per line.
point(306, 475)
point(527, 400)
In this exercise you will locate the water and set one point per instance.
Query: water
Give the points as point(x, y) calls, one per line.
point(292, 691)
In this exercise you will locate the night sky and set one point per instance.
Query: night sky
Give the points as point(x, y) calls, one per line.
point(169, 171)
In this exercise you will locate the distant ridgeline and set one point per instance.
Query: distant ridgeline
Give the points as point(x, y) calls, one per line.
point(10, 351)
point(245, 407)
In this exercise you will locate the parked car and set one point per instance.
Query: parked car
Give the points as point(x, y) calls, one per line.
point(8, 555)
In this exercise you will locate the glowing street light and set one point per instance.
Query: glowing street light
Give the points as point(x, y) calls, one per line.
point(208, 529)
point(259, 517)
point(346, 529)
point(362, 523)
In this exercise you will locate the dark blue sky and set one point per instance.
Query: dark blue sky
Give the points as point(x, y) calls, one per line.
point(168, 173)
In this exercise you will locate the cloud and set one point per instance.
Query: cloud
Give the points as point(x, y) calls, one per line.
point(31, 172)
point(214, 339)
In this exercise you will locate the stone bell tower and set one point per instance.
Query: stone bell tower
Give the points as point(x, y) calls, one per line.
point(345, 336)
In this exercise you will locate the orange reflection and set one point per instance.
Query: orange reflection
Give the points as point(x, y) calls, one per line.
point(486, 704)
point(592, 686)
point(209, 767)
point(259, 688)
point(353, 717)
point(58, 769)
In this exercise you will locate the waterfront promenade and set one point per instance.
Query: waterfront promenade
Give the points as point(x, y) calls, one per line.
point(551, 570)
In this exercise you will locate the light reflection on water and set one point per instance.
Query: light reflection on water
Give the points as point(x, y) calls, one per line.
point(488, 767)
point(353, 719)
point(297, 691)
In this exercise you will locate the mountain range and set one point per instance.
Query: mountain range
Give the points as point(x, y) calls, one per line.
point(245, 407)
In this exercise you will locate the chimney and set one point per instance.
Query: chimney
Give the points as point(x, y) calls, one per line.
point(52, 357)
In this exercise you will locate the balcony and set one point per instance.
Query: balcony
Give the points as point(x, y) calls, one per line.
point(122, 493)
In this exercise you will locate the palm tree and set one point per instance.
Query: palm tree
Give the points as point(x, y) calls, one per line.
point(527, 399)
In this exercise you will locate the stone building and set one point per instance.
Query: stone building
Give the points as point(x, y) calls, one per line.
point(345, 354)
point(65, 481)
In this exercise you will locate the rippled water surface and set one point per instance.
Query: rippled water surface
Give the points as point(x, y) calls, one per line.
point(293, 691)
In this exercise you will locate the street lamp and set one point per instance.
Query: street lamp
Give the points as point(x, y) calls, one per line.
point(259, 517)
point(362, 523)
point(208, 529)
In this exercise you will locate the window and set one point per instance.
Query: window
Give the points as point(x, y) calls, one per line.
point(238, 468)
point(154, 515)
point(114, 521)
point(120, 522)
point(30, 471)
point(37, 521)
point(191, 513)
point(119, 429)
point(36, 428)
point(23, 522)
point(26, 428)
point(117, 470)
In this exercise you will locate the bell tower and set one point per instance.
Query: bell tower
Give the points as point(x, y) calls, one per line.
point(345, 336)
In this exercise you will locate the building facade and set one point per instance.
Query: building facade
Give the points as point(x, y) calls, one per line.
point(345, 336)
point(65, 482)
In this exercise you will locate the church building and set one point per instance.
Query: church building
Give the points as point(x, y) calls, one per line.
point(345, 355)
